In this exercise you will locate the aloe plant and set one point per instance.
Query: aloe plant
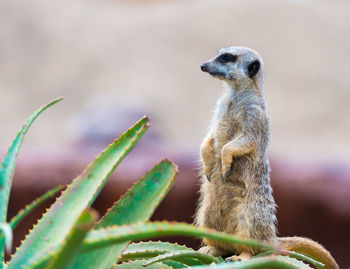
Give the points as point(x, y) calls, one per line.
point(71, 235)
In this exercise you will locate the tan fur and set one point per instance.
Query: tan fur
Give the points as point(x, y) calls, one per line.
point(309, 247)
point(236, 195)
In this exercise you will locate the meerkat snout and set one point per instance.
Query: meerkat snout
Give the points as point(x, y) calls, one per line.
point(212, 69)
point(204, 67)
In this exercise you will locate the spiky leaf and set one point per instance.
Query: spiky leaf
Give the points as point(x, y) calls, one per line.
point(7, 169)
point(58, 221)
point(74, 241)
point(175, 264)
point(138, 265)
point(272, 262)
point(6, 232)
point(29, 208)
point(105, 237)
point(150, 249)
point(306, 258)
point(182, 256)
point(295, 255)
point(116, 234)
point(137, 205)
point(144, 250)
point(64, 254)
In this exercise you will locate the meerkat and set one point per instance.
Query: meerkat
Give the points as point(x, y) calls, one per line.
point(236, 194)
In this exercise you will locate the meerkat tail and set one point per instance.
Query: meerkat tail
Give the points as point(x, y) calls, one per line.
point(310, 248)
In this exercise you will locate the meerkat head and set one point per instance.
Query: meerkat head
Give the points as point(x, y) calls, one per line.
point(237, 66)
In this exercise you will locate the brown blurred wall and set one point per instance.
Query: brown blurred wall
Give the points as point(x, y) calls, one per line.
point(313, 200)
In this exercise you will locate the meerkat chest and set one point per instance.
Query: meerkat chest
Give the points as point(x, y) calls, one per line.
point(227, 122)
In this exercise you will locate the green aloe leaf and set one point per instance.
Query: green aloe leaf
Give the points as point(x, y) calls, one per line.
point(137, 205)
point(54, 226)
point(181, 256)
point(150, 249)
point(272, 262)
point(116, 234)
point(175, 264)
point(138, 265)
point(140, 201)
point(135, 251)
point(7, 169)
point(99, 239)
point(74, 241)
point(306, 258)
point(29, 208)
point(145, 250)
point(6, 230)
point(295, 255)
point(64, 254)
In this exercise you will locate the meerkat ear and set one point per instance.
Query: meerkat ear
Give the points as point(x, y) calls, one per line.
point(253, 68)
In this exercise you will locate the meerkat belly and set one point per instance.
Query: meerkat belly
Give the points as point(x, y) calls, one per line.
point(222, 212)
point(232, 210)
point(224, 198)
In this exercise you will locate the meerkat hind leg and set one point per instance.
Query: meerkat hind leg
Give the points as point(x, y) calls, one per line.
point(242, 257)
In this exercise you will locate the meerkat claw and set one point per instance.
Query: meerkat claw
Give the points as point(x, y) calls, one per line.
point(207, 176)
point(226, 174)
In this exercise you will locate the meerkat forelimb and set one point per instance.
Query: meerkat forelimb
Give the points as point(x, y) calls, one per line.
point(236, 194)
point(207, 150)
point(239, 146)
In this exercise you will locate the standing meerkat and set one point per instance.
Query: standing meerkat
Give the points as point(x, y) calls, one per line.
point(236, 194)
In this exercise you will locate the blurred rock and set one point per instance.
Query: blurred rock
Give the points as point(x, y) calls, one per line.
point(104, 118)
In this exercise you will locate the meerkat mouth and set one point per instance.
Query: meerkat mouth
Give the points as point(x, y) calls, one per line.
point(216, 74)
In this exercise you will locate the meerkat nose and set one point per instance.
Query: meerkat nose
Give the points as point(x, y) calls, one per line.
point(204, 67)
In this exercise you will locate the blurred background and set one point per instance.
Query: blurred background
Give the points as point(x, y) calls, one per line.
point(116, 60)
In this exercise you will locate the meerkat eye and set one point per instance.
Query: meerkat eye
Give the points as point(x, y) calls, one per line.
point(253, 68)
point(225, 58)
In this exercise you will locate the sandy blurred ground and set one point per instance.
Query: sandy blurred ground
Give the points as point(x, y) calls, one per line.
point(146, 55)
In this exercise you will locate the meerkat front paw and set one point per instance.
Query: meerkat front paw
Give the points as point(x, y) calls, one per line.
point(226, 164)
point(208, 157)
point(208, 170)
point(232, 149)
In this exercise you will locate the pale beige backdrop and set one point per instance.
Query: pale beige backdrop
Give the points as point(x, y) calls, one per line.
point(149, 52)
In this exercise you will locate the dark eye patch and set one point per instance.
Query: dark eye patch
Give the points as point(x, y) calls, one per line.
point(226, 58)
point(253, 68)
